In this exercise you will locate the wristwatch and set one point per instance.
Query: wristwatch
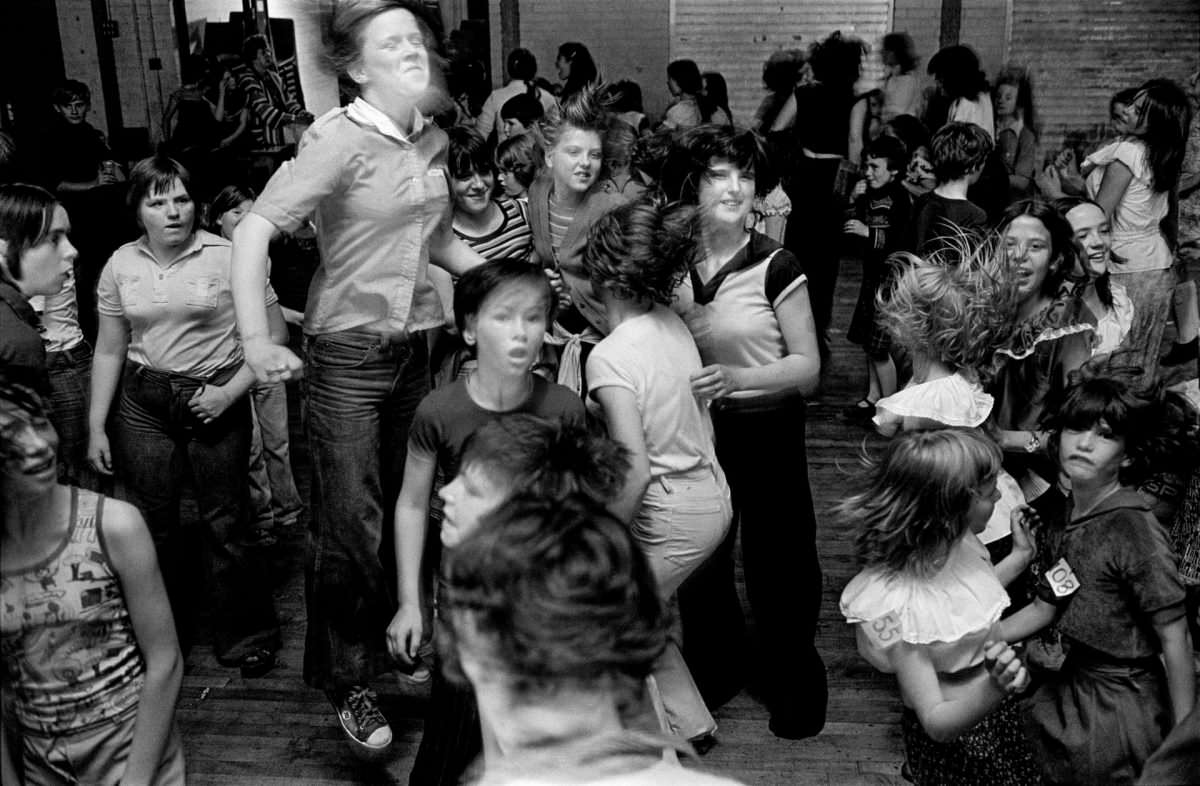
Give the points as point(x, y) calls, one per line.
point(1034, 444)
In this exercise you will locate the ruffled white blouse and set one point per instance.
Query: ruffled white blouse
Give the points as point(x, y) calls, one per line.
point(951, 613)
point(951, 401)
point(954, 401)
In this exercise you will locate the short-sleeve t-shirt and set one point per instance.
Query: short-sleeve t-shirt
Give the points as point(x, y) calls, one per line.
point(1137, 242)
point(1127, 576)
point(731, 311)
point(936, 217)
point(448, 416)
point(180, 314)
point(511, 240)
point(653, 355)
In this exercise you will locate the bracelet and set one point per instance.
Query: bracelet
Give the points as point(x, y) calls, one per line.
point(1034, 444)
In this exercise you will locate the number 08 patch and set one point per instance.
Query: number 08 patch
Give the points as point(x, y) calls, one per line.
point(1062, 579)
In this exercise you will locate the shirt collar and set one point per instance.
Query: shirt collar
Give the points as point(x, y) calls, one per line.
point(364, 113)
point(200, 239)
point(1123, 498)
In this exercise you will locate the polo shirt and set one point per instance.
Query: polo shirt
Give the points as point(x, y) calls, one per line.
point(180, 311)
point(60, 317)
point(378, 198)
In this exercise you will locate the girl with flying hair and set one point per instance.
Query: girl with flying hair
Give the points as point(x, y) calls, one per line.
point(950, 318)
point(927, 602)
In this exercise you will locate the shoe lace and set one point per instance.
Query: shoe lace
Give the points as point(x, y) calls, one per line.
point(364, 706)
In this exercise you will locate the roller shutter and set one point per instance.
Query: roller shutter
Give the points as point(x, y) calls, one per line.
point(735, 37)
point(1080, 52)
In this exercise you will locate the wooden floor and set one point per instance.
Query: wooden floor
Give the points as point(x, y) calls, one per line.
point(276, 730)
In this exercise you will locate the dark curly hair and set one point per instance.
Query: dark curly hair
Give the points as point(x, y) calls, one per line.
point(696, 149)
point(1111, 390)
point(550, 459)
point(643, 249)
point(556, 594)
point(958, 71)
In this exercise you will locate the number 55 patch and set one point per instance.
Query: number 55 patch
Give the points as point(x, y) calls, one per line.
point(1062, 579)
point(884, 631)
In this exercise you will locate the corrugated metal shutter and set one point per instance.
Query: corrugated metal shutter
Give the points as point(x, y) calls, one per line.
point(735, 38)
point(1080, 52)
point(627, 39)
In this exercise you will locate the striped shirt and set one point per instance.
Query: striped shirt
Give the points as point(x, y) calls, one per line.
point(511, 240)
point(560, 220)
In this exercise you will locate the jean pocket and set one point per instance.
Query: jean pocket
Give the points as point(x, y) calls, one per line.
point(336, 350)
point(202, 291)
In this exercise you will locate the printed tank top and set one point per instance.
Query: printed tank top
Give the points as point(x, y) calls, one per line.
point(66, 638)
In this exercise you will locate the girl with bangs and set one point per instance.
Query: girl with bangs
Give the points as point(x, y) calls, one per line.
point(1114, 592)
point(927, 605)
point(746, 303)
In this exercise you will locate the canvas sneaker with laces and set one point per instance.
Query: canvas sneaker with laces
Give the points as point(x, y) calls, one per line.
point(358, 712)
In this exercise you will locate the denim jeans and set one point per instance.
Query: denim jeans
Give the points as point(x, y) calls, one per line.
point(360, 391)
point(682, 520)
point(70, 373)
point(274, 499)
point(157, 440)
point(773, 503)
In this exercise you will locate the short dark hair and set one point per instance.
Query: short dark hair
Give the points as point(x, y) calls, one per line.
point(890, 148)
point(957, 69)
point(958, 149)
point(686, 75)
point(900, 46)
point(26, 214)
point(481, 281)
point(253, 45)
point(1117, 394)
point(624, 95)
point(909, 130)
point(153, 175)
point(227, 199)
point(525, 107)
point(695, 150)
point(521, 64)
point(550, 459)
point(518, 155)
point(559, 594)
point(69, 90)
point(642, 250)
point(467, 152)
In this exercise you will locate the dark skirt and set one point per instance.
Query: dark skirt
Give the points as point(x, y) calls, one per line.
point(993, 752)
point(1098, 722)
point(865, 329)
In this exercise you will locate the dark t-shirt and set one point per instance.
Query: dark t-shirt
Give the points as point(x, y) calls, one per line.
point(74, 152)
point(936, 217)
point(448, 416)
point(1127, 578)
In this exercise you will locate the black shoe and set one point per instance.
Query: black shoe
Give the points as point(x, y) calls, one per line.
point(863, 410)
point(363, 723)
point(791, 730)
point(703, 743)
point(1181, 353)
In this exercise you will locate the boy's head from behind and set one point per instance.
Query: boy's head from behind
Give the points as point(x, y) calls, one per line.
point(959, 150)
point(534, 456)
point(489, 297)
point(886, 161)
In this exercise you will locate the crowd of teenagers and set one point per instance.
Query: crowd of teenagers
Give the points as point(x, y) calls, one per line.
point(554, 367)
